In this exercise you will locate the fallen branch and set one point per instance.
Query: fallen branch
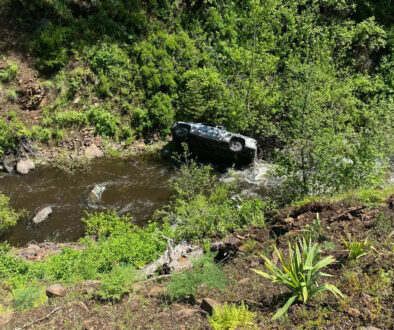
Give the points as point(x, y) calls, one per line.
point(39, 320)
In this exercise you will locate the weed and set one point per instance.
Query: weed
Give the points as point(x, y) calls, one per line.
point(231, 317)
point(12, 96)
point(10, 72)
point(355, 248)
point(28, 297)
point(315, 230)
point(117, 282)
point(183, 286)
point(300, 273)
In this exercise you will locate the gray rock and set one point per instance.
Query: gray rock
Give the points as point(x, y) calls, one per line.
point(9, 163)
point(42, 215)
point(25, 166)
point(95, 194)
point(93, 151)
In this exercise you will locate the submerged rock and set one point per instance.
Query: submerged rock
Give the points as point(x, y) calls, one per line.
point(95, 194)
point(24, 166)
point(42, 215)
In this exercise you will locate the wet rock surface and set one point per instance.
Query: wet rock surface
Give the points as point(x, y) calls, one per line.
point(96, 193)
point(42, 215)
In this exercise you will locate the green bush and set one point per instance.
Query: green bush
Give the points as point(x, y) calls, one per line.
point(161, 113)
point(106, 124)
point(103, 224)
point(10, 72)
point(355, 247)
point(50, 45)
point(232, 317)
point(70, 118)
point(8, 216)
point(28, 297)
point(10, 132)
point(41, 134)
point(117, 282)
point(141, 121)
point(204, 206)
point(184, 286)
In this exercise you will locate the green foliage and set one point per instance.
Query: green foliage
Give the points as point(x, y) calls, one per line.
point(204, 206)
point(12, 96)
point(9, 73)
point(103, 224)
point(161, 113)
point(117, 282)
point(8, 216)
point(184, 286)
point(28, 297)
point(355, 247)
point(50, 45)
point(232, 317)
point(106, 124)
point(315, 230)
point(10, 132)
point(300, 273)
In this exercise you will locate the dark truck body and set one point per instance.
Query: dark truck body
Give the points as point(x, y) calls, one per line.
point(214, 143)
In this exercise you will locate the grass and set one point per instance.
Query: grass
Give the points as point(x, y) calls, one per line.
point(12, 96)
point(28, 297)
point(355, 247)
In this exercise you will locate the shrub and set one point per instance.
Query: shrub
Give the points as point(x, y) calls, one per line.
point(300, 273)
point(50, 46)
point(10, 72)
point(117, 282)
point(103, 224)
point(141, 121)
point(41, 134)
point(70, 118)
point(10, 132)
point(183, 286)
point(355, 248)
point(161, 113)
point(8, 216)
point(12, 96)
point(232, 317)
point(28, 297)
point(105, 123)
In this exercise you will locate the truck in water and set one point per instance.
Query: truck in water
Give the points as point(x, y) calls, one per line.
point(214, 142)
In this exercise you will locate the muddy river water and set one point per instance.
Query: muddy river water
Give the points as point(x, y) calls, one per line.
point(134, 187)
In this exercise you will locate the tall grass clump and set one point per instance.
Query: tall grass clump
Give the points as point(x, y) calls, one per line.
point(28, 297)
point(300, 273)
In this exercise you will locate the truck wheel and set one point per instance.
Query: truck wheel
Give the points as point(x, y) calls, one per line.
point(236, 145)
point(181, 132)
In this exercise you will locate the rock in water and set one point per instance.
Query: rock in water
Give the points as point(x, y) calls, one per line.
point(42, 215)
point(95, 194)
point(93, 151)
point(25, 166)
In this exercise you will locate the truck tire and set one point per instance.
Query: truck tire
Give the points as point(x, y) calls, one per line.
point(236, 145)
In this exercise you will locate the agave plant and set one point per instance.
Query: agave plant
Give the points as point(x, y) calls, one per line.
point(355, 248)
point(300, 273)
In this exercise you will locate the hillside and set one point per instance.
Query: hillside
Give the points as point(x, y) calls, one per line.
point(311, 80)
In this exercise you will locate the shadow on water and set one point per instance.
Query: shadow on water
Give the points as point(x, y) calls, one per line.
point(137, 188)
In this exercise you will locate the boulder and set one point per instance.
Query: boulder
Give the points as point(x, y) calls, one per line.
point(93, 151)
point(9, 163)
point(25, 166)
point(55, 290)
point(95, 194)
point(185, 313)
point(208, 305)
point(42, 215)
